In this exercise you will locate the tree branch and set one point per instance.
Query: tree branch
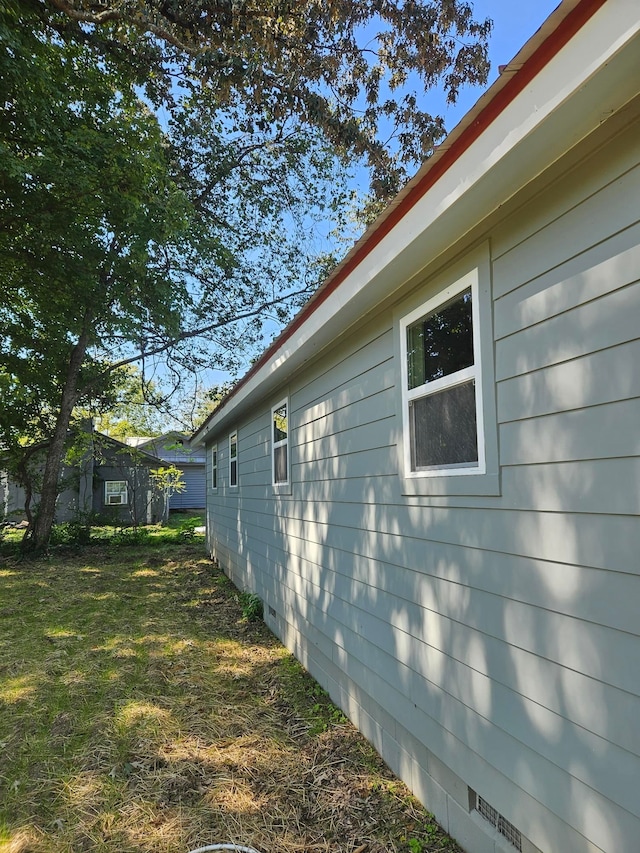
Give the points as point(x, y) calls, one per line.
point(195, 333)
point(86, 17)
point(141, 24)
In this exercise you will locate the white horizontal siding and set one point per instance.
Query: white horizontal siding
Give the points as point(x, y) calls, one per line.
point(439, 718)
point(597, 325)
point(577, 539)
point(589, 380)
point(599, 432)
point(426, 610)
point(337, 383)
point(566, 219)
point(599, 270)
point(501, 633)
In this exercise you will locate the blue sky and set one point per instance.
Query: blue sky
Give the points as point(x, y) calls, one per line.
point(514, 22)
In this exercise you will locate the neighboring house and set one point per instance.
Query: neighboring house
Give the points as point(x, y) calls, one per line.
point(174, 448)
point(107, 479)
point(431, 477)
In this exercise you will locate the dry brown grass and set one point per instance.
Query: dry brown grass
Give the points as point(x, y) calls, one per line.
point(139, 712)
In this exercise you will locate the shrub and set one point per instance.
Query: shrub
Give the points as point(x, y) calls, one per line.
point(252, 609)
point(130, 536)
point(187, 528)
point(73, 532)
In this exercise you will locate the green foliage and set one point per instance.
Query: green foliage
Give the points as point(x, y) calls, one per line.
point(122, 240)
point(69, 533)
point(90, 198)
point(252, 607)
point(309, 698)
point(429, 837)
point(327, 715)
point(187, 528)
point(125, 240)
point(360, 67)
point(168, 478)
point(131, 407)
point(130, 536)
point(89, 530)
point(76, 532)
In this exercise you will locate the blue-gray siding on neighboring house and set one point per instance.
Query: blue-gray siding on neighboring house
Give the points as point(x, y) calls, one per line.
point(486, 643)
point(194, 494)
point(174, 448)
point(105, 463)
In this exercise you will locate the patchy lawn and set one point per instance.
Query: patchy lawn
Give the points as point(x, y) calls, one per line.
point(141, 711)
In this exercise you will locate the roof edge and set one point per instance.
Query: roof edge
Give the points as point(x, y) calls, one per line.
point(558, 29)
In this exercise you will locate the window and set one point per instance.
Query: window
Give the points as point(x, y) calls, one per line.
point(442, 400)
point(214, 466)
point(115, 492)
point(280, 443)
point(233, 459)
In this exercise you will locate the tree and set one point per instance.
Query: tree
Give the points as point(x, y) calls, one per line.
point(113, 248)
point(134, 407)
point(343, 66)
point(127, 234)
point(169, 479)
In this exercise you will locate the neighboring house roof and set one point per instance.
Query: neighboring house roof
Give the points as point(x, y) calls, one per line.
point(579, 67)
point(121, 446)
point(114, 443)
point(137, 440)
point(175, 447)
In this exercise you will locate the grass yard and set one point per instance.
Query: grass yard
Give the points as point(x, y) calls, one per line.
point(141, 711)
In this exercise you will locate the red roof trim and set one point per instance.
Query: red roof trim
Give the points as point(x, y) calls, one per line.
point(552, 45)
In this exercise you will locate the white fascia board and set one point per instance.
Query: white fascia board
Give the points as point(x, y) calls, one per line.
point(539, 126)
point(590, 78)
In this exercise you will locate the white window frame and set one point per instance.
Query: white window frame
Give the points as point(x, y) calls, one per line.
point(282, 443)
point(122, 491)
point(214, 467)
point(468, 281)
point(233, 438)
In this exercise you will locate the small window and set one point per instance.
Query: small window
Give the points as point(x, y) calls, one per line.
point(441, 378)
point(280, 443)
point(115, 493)
point(214, 466)
point(233, 459)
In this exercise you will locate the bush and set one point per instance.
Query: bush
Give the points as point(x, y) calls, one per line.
point(187, 528)
point(70, 533)
point(130, 536)
point(252, 609)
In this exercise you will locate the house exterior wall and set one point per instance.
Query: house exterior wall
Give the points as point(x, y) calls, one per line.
point(175, 449)
point(73, 498)
point(194, 494)
point(4, 494)
point(488, 642)
point(82, 489)
point(12, 501)
point(66, 505)
point(145, 503)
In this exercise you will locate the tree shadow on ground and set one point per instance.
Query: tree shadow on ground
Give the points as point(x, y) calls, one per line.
point(141, 712)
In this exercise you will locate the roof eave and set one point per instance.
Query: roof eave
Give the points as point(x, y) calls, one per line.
point(554, 34)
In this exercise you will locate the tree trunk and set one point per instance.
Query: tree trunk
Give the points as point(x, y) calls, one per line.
point(39, 539)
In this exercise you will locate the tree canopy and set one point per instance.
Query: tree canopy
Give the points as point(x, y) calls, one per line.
point(355, 69)
point(162, 166)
